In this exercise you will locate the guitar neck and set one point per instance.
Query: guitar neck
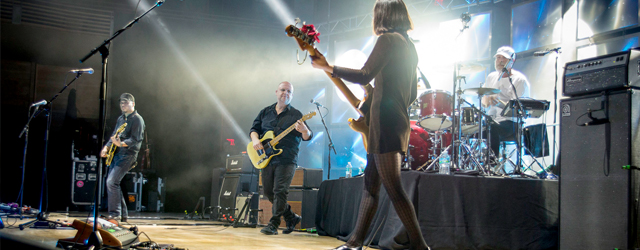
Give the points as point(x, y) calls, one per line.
point(353, 100)
point(284, 133)
point(305, 42)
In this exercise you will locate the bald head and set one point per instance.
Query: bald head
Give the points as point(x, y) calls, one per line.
point(284, 93)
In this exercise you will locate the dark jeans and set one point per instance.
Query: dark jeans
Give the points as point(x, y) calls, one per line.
point(119, 167)
point(276, 180)
point(505, 131)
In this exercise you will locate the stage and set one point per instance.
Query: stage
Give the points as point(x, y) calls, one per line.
point(454, 212)
point(170, 228)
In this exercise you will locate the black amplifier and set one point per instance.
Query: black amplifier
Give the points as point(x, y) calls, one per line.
point(613, 71)
point(237, 164)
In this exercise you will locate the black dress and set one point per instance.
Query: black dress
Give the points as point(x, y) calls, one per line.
point(392, 63)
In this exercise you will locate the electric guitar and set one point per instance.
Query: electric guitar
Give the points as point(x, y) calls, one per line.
point(260, 158)
point(112, 149)
point(306, 42)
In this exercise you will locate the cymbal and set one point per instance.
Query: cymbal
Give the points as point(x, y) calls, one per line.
point(481, 91)
point(470, 68)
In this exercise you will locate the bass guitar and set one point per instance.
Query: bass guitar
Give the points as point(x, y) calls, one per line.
point(261, 158)
point(306, 39)
point(112, 149)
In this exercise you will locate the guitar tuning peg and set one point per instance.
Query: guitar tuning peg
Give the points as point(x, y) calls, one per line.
point(297, 20)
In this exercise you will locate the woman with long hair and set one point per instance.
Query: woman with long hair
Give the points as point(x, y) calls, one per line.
point(392, 64)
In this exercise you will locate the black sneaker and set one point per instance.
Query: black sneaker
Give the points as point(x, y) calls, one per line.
point(270, 230)
point(291, 224)
point(124, 219)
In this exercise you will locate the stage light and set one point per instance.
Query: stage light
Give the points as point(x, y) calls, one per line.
point(190, 67)
point(354, 59)
point(281, 11)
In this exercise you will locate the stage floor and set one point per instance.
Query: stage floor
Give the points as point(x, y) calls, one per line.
point(167, 228)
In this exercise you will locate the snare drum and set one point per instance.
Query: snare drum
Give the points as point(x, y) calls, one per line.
point(470, 123)
point(435, 110)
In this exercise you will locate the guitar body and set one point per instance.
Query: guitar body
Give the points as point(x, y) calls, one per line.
point(261, 158)
point(359, 125)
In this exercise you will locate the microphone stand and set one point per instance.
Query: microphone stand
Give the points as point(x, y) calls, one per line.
point(555, 113)
point(455, 157)
point(330, 142)
point(42, 215)
point(95, 239)
point(520, 121)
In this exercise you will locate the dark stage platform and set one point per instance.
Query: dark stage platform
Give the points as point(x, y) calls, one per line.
point(454, 212)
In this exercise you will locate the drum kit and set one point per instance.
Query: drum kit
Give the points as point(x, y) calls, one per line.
point(437, 125)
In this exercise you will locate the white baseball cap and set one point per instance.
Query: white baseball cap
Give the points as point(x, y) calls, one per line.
point(506, 51)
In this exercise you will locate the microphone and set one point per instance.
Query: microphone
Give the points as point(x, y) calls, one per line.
point(40, 103)
point(316, 103)
point(80, 71)
point(465, 17)
point(545, 52)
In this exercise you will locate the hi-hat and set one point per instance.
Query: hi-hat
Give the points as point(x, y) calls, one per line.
point(470, 68)
point(481, 91)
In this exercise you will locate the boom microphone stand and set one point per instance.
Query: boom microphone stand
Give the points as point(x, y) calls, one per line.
point(328, 136)
point(95, 239)
point(42, 215)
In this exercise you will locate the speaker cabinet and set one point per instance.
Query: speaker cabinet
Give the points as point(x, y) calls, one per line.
point(598, 198)
point(216, 185)
point(234, 185)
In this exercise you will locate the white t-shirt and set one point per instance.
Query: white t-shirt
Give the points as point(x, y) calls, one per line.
point(506, 91)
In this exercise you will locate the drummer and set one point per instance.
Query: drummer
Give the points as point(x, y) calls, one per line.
point(505, 127)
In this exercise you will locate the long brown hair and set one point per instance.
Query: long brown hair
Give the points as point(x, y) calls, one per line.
point(391, 15)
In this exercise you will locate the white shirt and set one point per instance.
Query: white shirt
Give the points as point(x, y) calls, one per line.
point(506, 91)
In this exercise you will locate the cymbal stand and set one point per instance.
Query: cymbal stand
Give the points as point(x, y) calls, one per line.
point(462, 146)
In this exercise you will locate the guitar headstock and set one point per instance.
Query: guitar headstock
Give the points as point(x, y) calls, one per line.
point(121, 128)
point(308, 116)
point(306, 38)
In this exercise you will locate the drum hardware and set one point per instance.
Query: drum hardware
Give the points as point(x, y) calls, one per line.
point(503, 160)
point(522, 109)
point(408, 159)
point(472, 158)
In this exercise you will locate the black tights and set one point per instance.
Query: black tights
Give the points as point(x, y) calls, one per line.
point(385, 168)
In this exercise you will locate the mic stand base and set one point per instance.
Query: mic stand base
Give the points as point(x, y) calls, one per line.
point(41, 221)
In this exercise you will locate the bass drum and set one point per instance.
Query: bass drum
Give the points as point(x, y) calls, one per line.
point(422, 150)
